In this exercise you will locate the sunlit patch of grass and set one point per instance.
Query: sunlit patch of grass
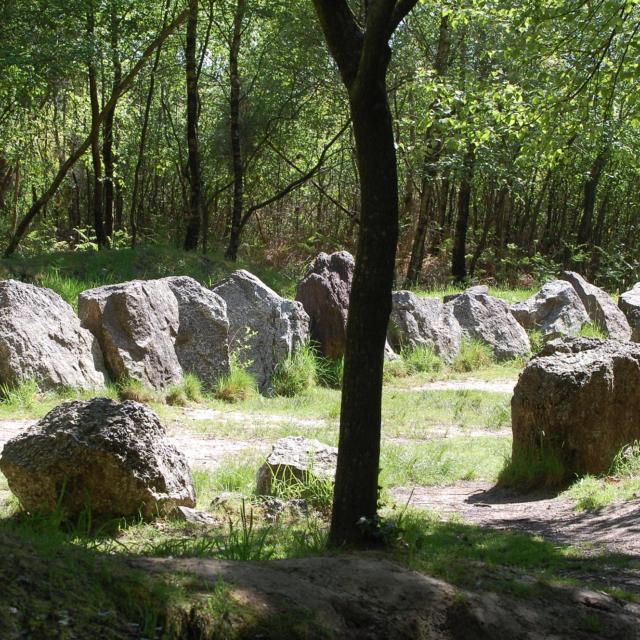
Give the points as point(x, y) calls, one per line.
point(592, 330)
point(296, 374)
point(511, 296)
point(473, 356)
point(621, 483)
point(443, 462)
point(236, 387)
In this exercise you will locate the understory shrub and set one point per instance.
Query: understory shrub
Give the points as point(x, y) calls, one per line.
point(296, 374)
point(473, 355)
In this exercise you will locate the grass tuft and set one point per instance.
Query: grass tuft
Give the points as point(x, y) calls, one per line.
point(189, 390)
point(238, 386)
point(533, 469)
point(296, 374)
point(130, 389)
point(592, 330)
point(422, 359)
point(473, 355)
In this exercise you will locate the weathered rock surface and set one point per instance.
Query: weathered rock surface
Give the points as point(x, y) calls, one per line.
point(114, 458)
point(202, 342)
point(601, 308)
point(294, 459)
point(489, 320)
point(474, 291)
point(579, 400)
point(154, 331)
point(324, 292)
point(418, 322)
point(41, 339)
point(136, 324)
point(629, 304)
point(556, 310)
point(264, 328)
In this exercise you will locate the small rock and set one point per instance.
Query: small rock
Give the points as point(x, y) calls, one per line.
point(296, 459)
point(194, 516)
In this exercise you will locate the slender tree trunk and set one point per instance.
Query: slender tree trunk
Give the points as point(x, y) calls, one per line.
point(236, 142)
point(107, 144)
point(585, 231)
point(458, 267)
point(435, 147)
point(97, 203)
point(194, 218)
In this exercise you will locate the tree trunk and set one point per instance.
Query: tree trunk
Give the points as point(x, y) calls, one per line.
point(458, 267)
point(363, 58)
point(236, 142)
point(585, 231)
point(195, 178)
point(97, 202)
point(107, 144)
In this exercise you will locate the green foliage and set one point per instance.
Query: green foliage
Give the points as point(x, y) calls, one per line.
point(473, 355)
point(330, 372)
point(537, 340)
point(397, 368)
point(189, 390)
point(536, 468)
point(317, 491)
point(296, 374)
point(131, 389)
point(19, 397)
point(592, 330)
point(238, 386)
point(422, 359)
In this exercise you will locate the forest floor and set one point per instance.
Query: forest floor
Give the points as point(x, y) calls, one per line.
point(465, 559)
point(494, 559)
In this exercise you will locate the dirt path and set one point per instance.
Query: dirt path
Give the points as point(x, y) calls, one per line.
point(615, 528)
point(490, 386)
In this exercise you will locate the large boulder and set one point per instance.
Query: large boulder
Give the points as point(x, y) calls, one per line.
point(556, 310)
point(601, 308)
point(295, 460)
point(136, 324)
point(324, 292)
point(428, 322)
point(629, 303)
point(41, 339)
point(154, 331)
point(578, 401)
point(265, 329)
point(202, 342)
point(489, 320)
point(113, 459)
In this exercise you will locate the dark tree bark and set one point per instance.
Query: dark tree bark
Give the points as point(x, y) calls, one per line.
point(97, 201)
point(192, 236)
point(585, 231)
point(458, 267)
point(124, 86)
point(236, 141)
point(362, 56)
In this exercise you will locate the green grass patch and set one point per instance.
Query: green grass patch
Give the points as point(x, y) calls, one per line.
point(536, 468)
point(422, 359)
point(443, 462)
point(296, 374)
point(236, 387)
point(592, 330)
point(473, 356)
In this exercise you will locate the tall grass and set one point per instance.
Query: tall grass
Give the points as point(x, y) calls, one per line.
point(473, 355)
point(296, 374)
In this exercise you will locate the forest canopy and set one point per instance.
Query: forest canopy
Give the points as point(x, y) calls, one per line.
point(224, 122)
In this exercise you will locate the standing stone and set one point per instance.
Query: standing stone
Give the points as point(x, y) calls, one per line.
point(202, 343)
point(489, 320)
point(136, 324)
point(556, 310)
point(295, 459)
point(601, 308)
point(578, 400)
point(265, 329)
point(324, 292)
point(41, 339)
point(428, 322)
point(629, 304)
point(114, 459)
